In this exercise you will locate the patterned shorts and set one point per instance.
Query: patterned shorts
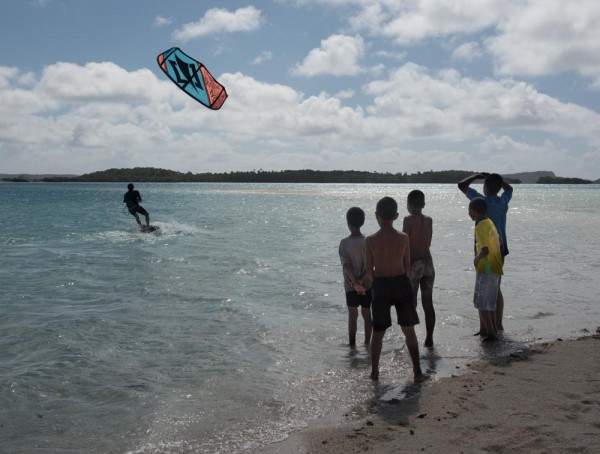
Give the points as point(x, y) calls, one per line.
point(422, 274)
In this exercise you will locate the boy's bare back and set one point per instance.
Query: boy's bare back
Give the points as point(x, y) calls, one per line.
point(419, 229)
point(388, 252)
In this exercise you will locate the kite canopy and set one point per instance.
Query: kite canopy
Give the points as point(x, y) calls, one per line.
point(192, 77)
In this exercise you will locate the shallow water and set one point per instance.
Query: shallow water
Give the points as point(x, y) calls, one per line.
point(226, 329)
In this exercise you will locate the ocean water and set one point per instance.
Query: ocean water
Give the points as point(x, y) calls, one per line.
point(226, 329)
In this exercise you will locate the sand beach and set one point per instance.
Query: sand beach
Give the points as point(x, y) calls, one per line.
point(545, 399)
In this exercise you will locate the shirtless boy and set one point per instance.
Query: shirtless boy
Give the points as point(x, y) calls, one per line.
point(388, 259)
point(419, 229)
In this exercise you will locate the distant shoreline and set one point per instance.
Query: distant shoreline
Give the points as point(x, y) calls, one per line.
point(156, 175)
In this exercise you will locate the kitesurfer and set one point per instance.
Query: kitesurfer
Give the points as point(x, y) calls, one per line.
point(132, 199)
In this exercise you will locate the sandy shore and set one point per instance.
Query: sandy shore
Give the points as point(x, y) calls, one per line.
point(544, 400)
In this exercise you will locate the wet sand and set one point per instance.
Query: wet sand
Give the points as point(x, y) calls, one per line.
point(545, 399)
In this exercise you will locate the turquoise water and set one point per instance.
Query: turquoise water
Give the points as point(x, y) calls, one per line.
point(226, 329)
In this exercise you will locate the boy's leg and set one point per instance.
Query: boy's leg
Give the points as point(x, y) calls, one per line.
point(147, 219)
point(427, 301)
point(376, 345)
point(366, 314)
point(352, 325)
point(137, 219)
point(487, 317)
point(415, 292)
point(413, 348)
point(478, 295)
point(482, 331)
point(499, 311)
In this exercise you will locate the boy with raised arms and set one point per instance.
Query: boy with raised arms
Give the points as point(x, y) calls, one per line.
point(388, 260)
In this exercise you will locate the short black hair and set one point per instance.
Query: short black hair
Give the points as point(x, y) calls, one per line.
point(130, 186)
point(493, 182)
point(479, 205)
point(355, 217)
point(416, 198)
point(387, 208)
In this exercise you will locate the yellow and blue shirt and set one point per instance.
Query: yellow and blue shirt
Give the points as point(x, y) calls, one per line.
point(486, 235)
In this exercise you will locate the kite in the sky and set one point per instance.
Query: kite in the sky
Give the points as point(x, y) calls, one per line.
point(192, 77)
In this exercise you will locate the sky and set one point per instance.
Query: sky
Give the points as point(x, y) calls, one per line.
point(378, 85)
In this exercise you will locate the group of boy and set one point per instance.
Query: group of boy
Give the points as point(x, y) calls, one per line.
point(389, 267)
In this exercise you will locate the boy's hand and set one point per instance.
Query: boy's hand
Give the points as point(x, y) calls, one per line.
point(360, 289)
point(482, 254)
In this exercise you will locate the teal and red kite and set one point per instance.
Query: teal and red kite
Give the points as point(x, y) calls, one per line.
point(192, 77)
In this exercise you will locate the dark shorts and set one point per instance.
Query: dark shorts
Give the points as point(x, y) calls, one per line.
point(137, 209)
point(353, 299)
point(393, 291)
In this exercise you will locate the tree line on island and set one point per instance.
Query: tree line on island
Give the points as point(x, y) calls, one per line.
point(156, 175)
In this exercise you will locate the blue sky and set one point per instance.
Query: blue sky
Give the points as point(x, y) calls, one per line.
point(378, 85)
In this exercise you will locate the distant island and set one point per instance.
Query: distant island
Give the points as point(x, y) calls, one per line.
point(561, 180)
point(156, 175)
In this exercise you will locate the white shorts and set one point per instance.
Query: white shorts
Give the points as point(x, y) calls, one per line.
point(486, 291)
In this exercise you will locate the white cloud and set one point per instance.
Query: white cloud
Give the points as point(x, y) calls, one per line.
point(100, 82)
point(467, 51)
point(344, 94)
point(27, 78)
point(411, 21)
point(512, 156)
point(447, 105)
point(263, 57)
point(160, 21)
point(526, 37)
point(595, 83)
point(339, 55)
point(6, 74)
point(75, 119)
point(218, 20)
point(543, 37)
point(392, 55)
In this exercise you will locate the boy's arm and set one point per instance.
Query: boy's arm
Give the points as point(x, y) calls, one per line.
point(407, 256)
point(431, 230)
point(506, 186)
point(369, 262)
point(464, 184)
point(482, 241)
point(356, 285)
point(482, 254)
